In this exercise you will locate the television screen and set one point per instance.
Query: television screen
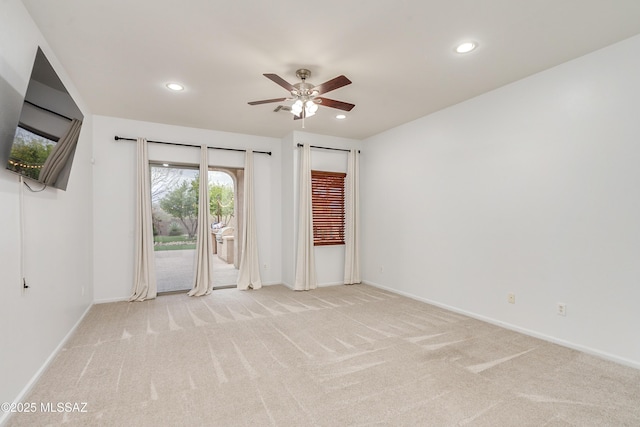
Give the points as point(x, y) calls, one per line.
point(47, 133)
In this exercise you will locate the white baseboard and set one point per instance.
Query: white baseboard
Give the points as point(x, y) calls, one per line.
point(108, 300)
point(323, 285)
point(271, 283)
point(287, 285)
point(549, 338)
point(4, 417)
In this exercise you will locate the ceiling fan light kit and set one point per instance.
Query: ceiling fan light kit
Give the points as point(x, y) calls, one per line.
point(309, 107)
point(306, 97)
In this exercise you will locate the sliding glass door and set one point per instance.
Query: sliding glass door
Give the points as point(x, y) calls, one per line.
point(174, 199)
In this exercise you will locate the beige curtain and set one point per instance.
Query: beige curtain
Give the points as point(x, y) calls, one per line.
point(203, 279)
point(305, 262)
point(144, 286)
point(249, 274)
point(352, 220)
point(60, 155)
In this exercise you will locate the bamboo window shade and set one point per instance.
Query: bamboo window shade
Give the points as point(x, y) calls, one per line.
point(327, 198)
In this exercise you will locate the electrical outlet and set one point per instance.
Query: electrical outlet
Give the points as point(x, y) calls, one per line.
point(511, 298)
point(562, 309)
point(266, 266)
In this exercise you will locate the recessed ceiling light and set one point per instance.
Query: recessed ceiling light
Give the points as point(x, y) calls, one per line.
point(166, 165)
point(466, 47)
point(175, 86)
point(341, 117)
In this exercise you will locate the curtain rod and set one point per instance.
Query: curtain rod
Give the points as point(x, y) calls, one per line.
point(326, 148)
point(117, 138)
point(48, 110)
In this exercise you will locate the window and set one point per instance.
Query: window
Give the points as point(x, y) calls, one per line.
point(327, 198)
point(30, 150)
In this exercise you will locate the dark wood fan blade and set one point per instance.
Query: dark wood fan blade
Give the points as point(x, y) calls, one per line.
point(332, 84)
point(280, 81)
point(334, 104)
point(266, 101)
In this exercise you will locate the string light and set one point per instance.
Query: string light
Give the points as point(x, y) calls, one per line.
point(25, 166)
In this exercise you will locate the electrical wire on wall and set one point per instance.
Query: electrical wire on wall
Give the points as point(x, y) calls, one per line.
point(21, 219)
point(22, 184)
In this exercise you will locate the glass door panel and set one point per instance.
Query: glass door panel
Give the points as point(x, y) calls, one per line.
point(174, 200)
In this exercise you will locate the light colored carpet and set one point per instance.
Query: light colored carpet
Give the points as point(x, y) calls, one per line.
point(337, 356)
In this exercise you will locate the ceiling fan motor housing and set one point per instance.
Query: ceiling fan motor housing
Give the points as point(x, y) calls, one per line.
point(304, 89)
point(303, 73)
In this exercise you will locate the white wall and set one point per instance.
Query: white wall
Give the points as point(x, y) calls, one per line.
point(114, 193)
point(530, 189)
point(329, 259)
point(57, 235)
point(288, 222)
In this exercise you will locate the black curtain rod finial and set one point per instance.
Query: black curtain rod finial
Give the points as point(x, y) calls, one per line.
point(119, 138)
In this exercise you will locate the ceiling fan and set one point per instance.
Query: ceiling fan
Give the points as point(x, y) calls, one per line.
point(306, 96)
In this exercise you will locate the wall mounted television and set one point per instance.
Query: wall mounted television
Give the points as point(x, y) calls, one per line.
point(47, 134)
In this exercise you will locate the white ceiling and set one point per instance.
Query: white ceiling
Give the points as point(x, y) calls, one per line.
point(398, 54)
